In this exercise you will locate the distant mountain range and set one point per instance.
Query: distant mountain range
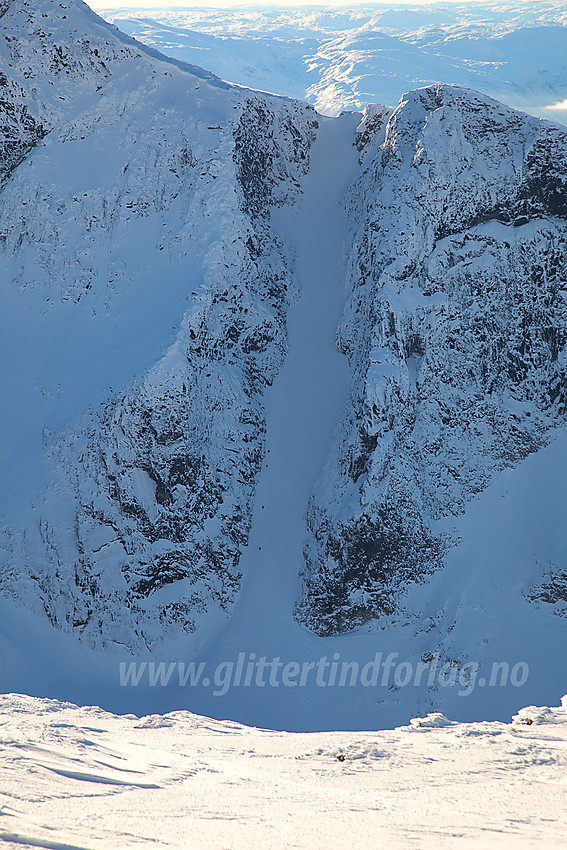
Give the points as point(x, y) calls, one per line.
point(344, 58)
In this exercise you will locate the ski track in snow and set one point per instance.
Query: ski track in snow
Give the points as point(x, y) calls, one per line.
point(82, 779)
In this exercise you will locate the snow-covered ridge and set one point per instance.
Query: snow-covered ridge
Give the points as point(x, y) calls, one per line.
point(146, 204)
point(455, 326)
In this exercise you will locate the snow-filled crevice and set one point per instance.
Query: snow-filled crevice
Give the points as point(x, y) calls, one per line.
point(307, 399)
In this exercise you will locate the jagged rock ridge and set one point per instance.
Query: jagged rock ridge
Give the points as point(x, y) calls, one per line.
point(148, 172)
point(455, 327)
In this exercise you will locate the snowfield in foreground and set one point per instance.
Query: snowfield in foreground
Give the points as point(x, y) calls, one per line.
point(79, 778)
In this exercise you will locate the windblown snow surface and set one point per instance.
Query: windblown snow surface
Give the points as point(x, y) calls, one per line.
point(343, 58)
point(83, 779)
point(283, 395)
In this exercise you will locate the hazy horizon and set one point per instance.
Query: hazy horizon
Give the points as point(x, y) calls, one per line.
point(165, 4)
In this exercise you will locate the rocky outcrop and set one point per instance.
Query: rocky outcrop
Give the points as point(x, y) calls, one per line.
point(455, 327)
point(157, 173)
point(20, 130)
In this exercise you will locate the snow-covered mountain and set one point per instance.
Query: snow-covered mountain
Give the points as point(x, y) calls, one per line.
point(145, 207)
point(344, 58)
point(455, 327)
point(197, 464)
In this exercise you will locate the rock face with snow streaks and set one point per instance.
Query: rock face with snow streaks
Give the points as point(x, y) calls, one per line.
point(154, 183)
point(455, 327)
